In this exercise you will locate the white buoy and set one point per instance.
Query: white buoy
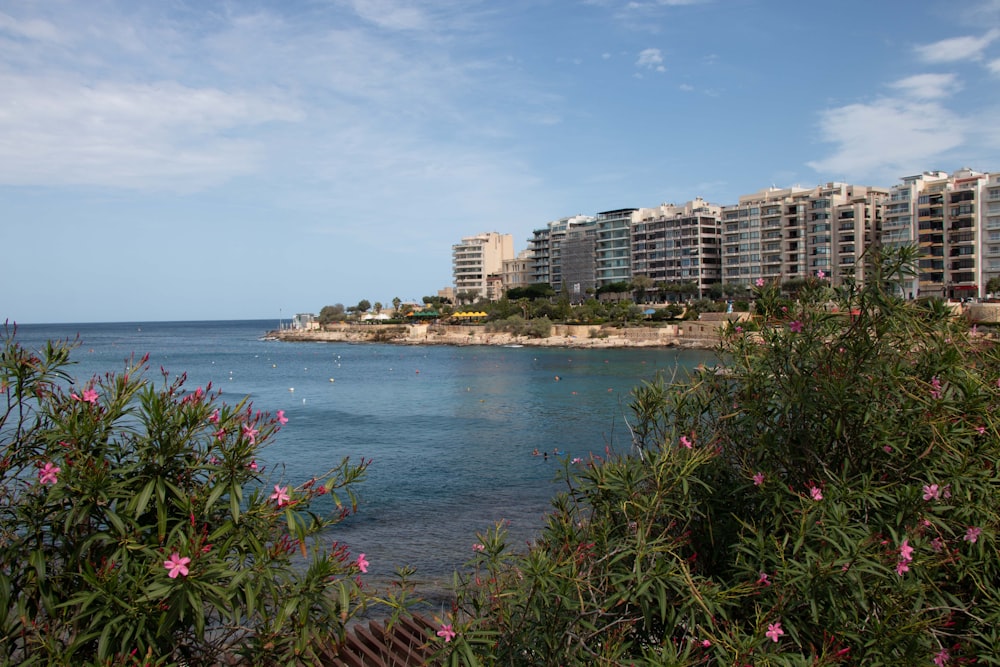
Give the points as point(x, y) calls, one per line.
point(291, 389)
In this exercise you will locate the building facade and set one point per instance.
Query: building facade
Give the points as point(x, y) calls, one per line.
point(776, 234)
point(679, 244)
point(613, 246)
point(546, 247)
point(476, 259)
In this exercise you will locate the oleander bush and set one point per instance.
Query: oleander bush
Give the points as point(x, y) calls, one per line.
point(827, 495)
point(136, 526)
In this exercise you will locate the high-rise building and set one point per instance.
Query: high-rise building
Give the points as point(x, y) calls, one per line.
point(545, 247)
point(477, 258)
point(784, 234)
point(990, 236)
point(613, 246)
point(579, 262)
point(679, 244)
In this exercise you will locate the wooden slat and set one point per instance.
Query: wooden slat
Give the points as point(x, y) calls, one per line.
point(405, 645)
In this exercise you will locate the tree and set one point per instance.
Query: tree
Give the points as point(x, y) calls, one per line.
point(332, 313)
point(378, 307)
point(640, 285)
point(993, 285)
point(363, 306)
point(531, 292)
point(825, 495)
point(396, 303)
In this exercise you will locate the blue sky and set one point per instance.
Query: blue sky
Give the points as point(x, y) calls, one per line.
point(188, 159)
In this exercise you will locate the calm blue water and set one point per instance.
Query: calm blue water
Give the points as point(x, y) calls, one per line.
point(450, 430)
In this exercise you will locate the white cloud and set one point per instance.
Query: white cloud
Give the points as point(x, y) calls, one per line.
point(155, 136)
point(994, 66)
point(957, 48)
point(651, 59)
point(889, 137)
point(927, 86)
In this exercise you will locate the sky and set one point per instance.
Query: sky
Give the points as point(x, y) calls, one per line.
point(201, 160)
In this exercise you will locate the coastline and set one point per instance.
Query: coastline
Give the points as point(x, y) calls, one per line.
point(691, 335)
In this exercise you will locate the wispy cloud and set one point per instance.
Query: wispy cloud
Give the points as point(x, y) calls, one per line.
point(957, 49)
point(927, 86)
point(159, 136)
point(651, 59)
point(882, 140)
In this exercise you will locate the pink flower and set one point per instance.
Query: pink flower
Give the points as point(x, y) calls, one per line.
point(980, 430)
point(705, 643)
point(759, 282)
point(758, 479)
point(937, 544)
point(282, 419)
point(685, 442)
point(214, 417)
point(820, 275)
point(253, 465)
point(774, 631)
point(47, 475)
point(942, 658)
point(576, 459)
point(902, 568)
point(795, 326)
point(815, 493)
point(972, 534)
point(906, 551)
point(89, 396)
point(478, 547)
point(250, 433)
point(446, 631)
point(931, 492)
point(281, 495)
point(176, 565)
point(362, 564)
point(763, 579)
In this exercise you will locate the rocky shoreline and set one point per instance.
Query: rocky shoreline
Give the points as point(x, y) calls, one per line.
point(699, 335)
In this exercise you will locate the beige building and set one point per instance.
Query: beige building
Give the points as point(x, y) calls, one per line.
point(477, 258)
point(955, 221)
point(783, 234)
point(517, 272)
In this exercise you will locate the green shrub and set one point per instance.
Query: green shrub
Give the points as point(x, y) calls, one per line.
point(135, 527)
point(828, 495)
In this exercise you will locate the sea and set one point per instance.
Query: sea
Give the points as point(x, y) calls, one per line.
point(451, 431)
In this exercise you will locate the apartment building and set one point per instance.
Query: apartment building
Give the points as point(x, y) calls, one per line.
point(990, 239)
point(517, 272)
point(679, 244)
point(613, 246)
point(784, 234)
point(949, 217)
point(546, 247)
point(478, 258)
point(579, 261)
